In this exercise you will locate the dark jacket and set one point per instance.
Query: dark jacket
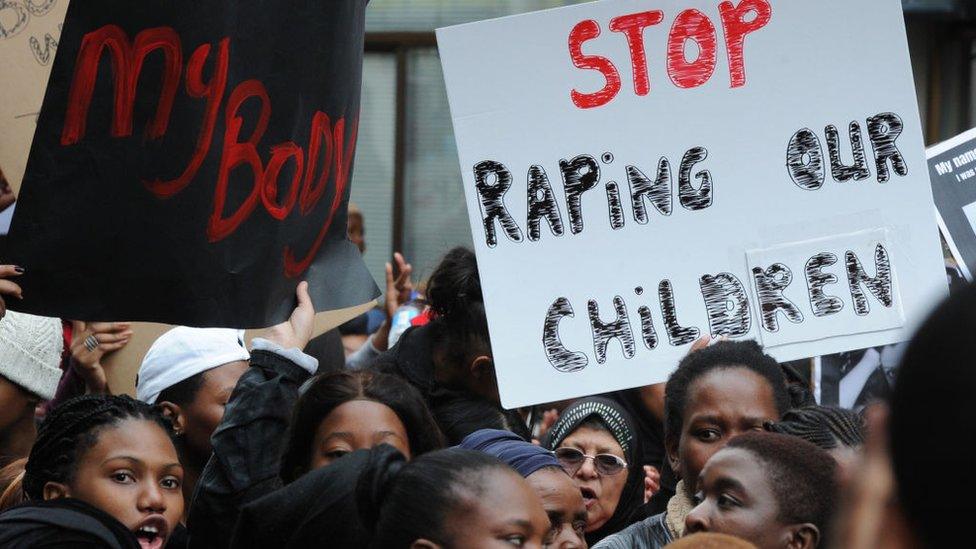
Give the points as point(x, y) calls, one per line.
point(650, 533)
point(317, 510)
point(64, 523)
point(247, 448)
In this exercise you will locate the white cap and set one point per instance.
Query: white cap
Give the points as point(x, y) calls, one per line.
point(182, 353)
point(30, 352)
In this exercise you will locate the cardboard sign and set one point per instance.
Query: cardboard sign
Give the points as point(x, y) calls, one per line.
point(29, 34)
point(192, 164)
point(122, 366)
point(638, 174)
point(952, 167)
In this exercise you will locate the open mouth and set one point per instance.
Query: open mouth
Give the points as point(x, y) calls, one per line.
point(589, 496)
point(151, 535)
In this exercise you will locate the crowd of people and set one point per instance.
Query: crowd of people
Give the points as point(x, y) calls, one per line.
point(375, 436)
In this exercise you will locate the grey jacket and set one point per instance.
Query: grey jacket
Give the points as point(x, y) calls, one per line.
point(650, 533)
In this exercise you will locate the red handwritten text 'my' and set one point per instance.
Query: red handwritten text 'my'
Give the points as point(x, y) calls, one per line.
point(328, 150)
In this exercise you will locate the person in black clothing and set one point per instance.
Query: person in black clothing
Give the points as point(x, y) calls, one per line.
point(447, 498)
point(346, 411)
point(113, 453)
point(63, 523)
point(453, 351)
point(248, 443)
point(317, 510)
point(932, 437)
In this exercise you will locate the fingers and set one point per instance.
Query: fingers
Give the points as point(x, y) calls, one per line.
point(700, 343)
point(403, 279)
point(651, 472)
point(105, 348)
point(304, 300)
point(108, 327)
point(10, 270)
point(8, 287)
point(404, 269)
point(400, 261)
point(390, 284)
point(113, 337)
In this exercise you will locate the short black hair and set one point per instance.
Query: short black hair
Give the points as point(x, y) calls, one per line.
point(183, 392)
point(932, 435)
point(462, 414)
point(401, 502)
point(329, 391)
point(827, 427)
point(802, 476)
point(71, 429)
point(722, 355)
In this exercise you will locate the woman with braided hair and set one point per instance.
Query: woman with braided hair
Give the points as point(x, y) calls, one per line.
point(103, 473)
point(839, 431)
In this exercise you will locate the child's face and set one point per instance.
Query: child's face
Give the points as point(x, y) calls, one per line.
point(132, 473)
point(735, 497)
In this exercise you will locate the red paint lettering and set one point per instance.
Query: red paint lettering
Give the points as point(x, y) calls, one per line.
point(632, 26)
point(127, 60)
point(213, 91)
point(583, 32)
point(237, 153)
point(330, 150)
point(343, 161)
point(281, 154)
point(736, 28)
point(696, 26)
point(312, 193)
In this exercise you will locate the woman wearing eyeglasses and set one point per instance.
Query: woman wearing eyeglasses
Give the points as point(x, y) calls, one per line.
point(594, 440)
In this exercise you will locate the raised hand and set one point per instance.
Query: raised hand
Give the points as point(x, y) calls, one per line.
point(398, 289)
point(8, 287)
point(297, 330)
point(90, 342)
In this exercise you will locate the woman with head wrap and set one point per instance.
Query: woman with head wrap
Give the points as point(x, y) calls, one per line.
point(560, 497)
point(594, 440)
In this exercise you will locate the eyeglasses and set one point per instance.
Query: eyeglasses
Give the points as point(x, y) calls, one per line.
point(572, 459)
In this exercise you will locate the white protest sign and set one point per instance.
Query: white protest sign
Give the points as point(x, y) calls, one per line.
point(640, 173)
point(29, 34)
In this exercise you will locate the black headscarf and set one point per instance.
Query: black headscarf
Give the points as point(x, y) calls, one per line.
point(318, 508)
point(622, 427)
point(62, 522)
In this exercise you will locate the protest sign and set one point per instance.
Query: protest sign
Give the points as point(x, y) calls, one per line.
point(952, 167)
point(29, 33)
point(638, 174)
point(192, 163)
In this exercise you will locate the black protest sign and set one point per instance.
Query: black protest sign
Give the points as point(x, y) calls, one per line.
point(952, 168)
point(192, 163)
